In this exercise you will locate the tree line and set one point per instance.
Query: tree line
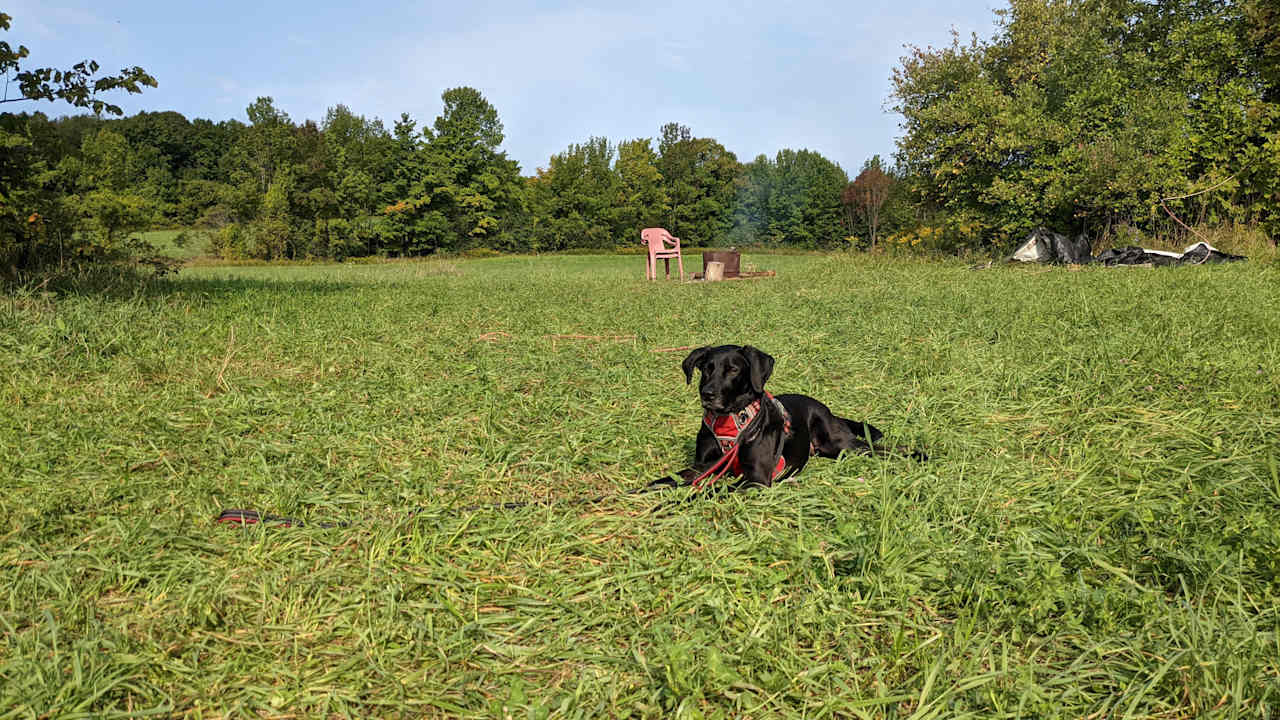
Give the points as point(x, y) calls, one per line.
point(273, 188)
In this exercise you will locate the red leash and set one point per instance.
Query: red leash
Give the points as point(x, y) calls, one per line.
point(724, 463)
point(244, 518)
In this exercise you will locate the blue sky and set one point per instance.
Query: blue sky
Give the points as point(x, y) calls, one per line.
point(757, 76)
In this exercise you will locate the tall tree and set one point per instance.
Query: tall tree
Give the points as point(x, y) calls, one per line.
point(578, 199)
point(1261, 36)
point(804, 199)
point(751, 206)
point(699, 176)
point(397, 227)
point(643, 202)
point(792, 199)
point(866, 195)
point(466, 184)
point(360, 159)
point(106, 202)
point(268, 183)
point(267, 146)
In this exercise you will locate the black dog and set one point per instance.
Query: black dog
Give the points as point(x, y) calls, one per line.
point(749, 433)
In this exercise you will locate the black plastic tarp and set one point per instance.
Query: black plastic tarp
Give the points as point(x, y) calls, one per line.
point(1045, 246)
point(1198, 254)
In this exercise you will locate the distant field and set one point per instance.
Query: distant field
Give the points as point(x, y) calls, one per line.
point(1097, 534)
point(163, 240)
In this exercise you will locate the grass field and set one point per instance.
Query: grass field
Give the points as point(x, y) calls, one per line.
point(166, 242)
point(1097, 534)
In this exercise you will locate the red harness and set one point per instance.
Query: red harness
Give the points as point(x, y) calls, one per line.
point(728, 429)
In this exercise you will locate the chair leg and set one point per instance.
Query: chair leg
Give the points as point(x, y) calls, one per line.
point(680, 263)
point(666, 263)
point(648, 267)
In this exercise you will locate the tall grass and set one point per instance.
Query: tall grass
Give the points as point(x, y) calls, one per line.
point(1095, 536)
point(1248, 240)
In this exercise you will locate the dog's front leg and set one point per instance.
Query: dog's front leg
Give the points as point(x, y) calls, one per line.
point(676, 479)
point(706, 453)
point(757, 469)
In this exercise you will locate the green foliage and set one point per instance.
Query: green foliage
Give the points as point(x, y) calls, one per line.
point(20, 195)
point(108, 220)
point(1083, 115)
point(86, 210)
point(297, 191)
point(1261, 35)
point(39, 223)
point(577, 201)
point(347, 202)
point(751, 206)
point(591, 197)
point(699, 177)
point(793, 199)
point(805, 202)
point(644, 201)
point(459, 187)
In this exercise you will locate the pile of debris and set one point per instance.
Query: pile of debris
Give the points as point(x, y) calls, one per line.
point(1044, 246)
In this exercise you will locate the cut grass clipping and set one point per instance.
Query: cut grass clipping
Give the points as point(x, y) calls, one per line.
point(1095, 536)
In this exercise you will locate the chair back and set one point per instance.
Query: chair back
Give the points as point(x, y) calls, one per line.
point(660, 241)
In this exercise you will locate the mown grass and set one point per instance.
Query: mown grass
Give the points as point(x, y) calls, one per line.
point(180, 244)
point(1095, 536)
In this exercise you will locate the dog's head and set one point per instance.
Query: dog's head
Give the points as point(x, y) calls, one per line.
point(732, 375)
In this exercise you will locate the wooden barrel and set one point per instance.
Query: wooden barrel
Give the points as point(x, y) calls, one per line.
point(731, 260)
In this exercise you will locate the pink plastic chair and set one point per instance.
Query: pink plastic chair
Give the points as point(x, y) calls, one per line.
point(662, 246)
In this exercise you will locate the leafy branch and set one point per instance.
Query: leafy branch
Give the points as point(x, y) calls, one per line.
point(76, 85)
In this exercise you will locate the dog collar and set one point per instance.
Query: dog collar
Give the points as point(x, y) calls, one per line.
point(727, 428)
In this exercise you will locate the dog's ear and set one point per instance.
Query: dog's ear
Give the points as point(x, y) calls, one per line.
point(693, 361)
point(761, 364)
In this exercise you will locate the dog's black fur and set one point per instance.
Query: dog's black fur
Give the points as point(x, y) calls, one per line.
point(733, 377)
